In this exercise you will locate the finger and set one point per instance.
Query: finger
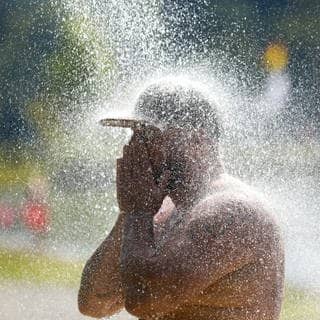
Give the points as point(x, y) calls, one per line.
point(142, 163)
point(141, 168)
point(123, 171)
point(138, 137)
point(125, 151)
point(157, 150)
point(151, 133)
point(120, 178)
point(138, 150)
point(163, 184)
point(151, 138)
point(119, 172)
point(119, 163)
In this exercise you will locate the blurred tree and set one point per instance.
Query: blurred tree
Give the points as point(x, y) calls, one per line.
point(47, 60)
point(241, 31)
point(20, 65)
point(204, 28)
point(301, 29)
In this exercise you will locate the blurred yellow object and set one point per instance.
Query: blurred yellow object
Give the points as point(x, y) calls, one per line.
point(276, 57)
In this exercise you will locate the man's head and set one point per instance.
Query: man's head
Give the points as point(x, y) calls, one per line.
point(173, 105)
point(190, 131)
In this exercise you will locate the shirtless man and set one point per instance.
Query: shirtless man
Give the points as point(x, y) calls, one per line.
point(191, 242)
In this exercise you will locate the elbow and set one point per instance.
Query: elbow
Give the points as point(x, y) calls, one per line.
point(133, 308)
point(95, 307)
point(88, 310)
point(147, 302)
point(89, 307)
point(139, 302)
point(139, 309)
point(149, 307)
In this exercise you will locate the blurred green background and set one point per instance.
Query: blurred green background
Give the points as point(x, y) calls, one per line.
point(58, 62)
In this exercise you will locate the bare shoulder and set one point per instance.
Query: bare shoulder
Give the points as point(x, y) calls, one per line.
point(229, 196)
point(234, 208)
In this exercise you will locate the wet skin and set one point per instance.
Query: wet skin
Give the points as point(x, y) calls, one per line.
point(212, 251)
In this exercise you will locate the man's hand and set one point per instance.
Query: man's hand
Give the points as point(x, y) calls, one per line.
point(138, 190)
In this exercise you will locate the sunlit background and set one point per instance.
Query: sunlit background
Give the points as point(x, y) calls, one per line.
point(66, 64)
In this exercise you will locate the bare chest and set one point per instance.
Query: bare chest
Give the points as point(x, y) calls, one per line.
point(165, 221)
point(242, 295)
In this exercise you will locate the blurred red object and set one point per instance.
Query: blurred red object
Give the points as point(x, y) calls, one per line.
point(7, 216)
point(35, 216)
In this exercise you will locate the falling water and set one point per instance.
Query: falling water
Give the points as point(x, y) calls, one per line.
point(279, 166)
point(257, 145)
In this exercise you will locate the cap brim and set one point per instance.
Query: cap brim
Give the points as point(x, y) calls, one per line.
point(123, 123)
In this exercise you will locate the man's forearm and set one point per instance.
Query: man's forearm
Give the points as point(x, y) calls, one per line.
point(137, 253)
point(138, 237)
point(101, 281)
point(142, 267)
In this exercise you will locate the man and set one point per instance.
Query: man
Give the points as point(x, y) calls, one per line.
point(190, 242)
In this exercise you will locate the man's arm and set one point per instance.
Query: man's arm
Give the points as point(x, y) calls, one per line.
point(101, 291)
point(159, 280)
